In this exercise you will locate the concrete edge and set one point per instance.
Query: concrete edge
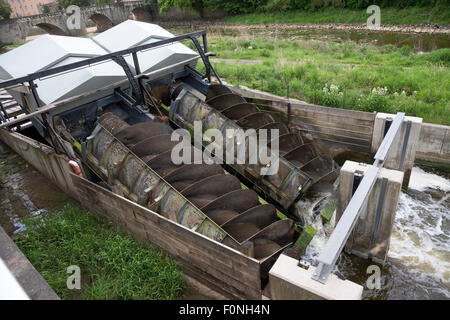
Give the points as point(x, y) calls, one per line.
point(26, 275)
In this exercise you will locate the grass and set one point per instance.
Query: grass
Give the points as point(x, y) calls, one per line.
point(343, 75)
point(409, 16)
point(112, 264)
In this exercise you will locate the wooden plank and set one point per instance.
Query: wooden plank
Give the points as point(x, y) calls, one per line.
point(9, 104)
point(13, 112)
point(329, 116)
point(332, 131)
point(339, 125)
point(307, 107)
point(333, 137)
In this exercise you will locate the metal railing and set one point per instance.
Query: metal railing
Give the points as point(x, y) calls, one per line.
point(335, 244)
point(116, 56)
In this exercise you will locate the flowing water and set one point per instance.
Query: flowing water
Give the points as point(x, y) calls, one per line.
point(418, 265)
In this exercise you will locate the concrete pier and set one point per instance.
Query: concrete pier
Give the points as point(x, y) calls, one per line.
point(289, 281)
point(395, 155)
point(371, 235)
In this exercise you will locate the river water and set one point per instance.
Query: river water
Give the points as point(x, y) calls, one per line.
point(419, 42)
point(418, 264)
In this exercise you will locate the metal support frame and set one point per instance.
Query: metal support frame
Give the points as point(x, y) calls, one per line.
point(405, 145)
point(385, 146)
point(33, 87)
point(135, 86)
point(88, 62)
point(137, 68)
point(335, 244)
point(379, 213)
point(3, 114)
point(205, 59)
point(329, 255)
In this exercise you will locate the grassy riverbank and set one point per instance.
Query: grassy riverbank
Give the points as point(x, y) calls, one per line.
point(112, 264)
point(406, 16)
point(342, 75)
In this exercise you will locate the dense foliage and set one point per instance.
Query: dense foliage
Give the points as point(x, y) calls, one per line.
point(249, 6)
point(82, 3)
point(340, 75)
point(5, 9)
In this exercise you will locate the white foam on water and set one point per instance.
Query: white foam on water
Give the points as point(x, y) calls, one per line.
point(421, 237)
point(421, 180)
point(324, 231)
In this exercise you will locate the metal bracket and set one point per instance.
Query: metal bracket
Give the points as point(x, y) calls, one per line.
point(338, 238)
point(385, 146)
point(405, 145)
point(379, 213)
point(135, 86)
point(343, 229)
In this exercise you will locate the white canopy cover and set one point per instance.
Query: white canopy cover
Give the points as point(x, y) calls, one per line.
point(133, 33)
point(50, 51)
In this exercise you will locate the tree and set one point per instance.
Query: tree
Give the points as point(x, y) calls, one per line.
point(80, 3)
point(197, 5)
point(5, 9)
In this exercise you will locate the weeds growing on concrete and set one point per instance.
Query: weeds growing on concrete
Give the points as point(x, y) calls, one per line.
point(410, 16)
point(112, 264)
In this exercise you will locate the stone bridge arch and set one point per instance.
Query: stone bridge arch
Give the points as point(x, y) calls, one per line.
point(50, 29)
point(104, 16)
point(102, 21)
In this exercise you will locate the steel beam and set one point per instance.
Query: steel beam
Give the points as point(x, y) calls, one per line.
point(385, 146)
point(342, 231)
point(338, 238)
point(106, 57)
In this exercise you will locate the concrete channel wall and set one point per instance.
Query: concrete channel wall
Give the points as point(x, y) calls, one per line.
point(348, 133)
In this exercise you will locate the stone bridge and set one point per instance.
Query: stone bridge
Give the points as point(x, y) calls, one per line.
point(104, 16)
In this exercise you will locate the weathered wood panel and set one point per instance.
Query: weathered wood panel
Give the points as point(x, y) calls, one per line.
point(335, 130)
point(42, 157)
point(208, 261)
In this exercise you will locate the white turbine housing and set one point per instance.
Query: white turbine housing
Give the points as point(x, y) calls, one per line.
point(49, 51)
point(133, 33)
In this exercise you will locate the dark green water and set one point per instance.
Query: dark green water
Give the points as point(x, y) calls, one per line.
point(419, 42)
